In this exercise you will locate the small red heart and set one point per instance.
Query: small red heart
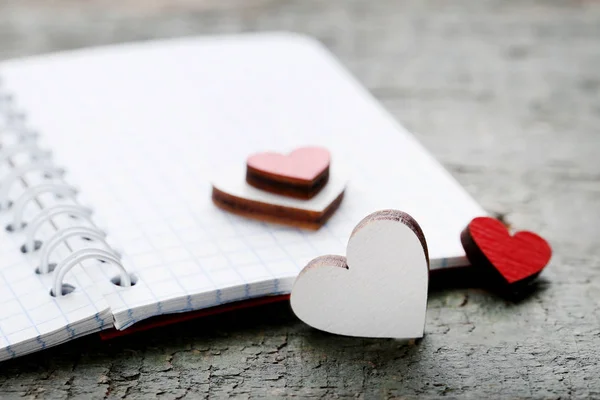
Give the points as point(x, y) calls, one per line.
point(518, 258)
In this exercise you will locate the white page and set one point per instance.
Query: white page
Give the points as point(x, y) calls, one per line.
point(144, 128)
point(30, 318)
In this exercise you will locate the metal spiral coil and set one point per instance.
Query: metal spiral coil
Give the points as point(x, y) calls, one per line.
point(17, 140)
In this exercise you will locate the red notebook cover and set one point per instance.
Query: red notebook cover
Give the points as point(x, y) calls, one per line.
point(164, 320)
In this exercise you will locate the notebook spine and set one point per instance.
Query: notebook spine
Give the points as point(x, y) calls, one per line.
point(18, 142)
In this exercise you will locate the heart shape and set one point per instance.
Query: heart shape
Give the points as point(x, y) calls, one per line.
point(301, 166)
point(378, 290)
point(518, 258)
point(232, 193)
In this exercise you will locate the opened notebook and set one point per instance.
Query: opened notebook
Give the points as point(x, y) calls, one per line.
point(107, 157)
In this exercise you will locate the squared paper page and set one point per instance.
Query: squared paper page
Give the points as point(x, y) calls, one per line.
point(144, 128)
point(31, 319)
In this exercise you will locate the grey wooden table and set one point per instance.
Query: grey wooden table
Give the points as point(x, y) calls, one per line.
point(505, 94)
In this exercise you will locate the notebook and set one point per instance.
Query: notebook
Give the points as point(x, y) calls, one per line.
point(107, 157)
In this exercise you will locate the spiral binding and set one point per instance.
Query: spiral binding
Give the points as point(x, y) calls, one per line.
point(45, 215)
point(60, 237)
point(16, 139)
point(17, 174)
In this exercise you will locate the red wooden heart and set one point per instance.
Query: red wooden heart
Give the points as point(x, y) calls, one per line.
point(518, 258)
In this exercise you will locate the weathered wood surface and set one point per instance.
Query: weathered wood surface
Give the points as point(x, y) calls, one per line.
point(505, 94)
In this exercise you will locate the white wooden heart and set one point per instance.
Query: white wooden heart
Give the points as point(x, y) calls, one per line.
point(249, 201)
point(378, 290)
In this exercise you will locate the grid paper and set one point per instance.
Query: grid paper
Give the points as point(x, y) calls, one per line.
point(143, 129)
point(31, 319)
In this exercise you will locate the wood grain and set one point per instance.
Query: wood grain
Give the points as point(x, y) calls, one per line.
point(513, 260)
